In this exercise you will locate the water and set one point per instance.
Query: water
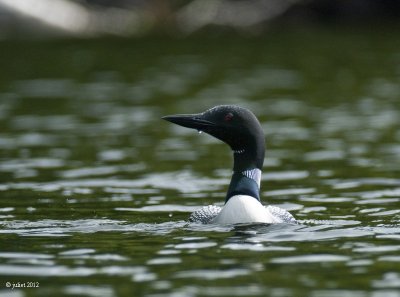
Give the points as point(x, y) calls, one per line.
point(96, 189)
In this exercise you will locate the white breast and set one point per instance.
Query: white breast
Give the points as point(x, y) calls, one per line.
point(245, 209)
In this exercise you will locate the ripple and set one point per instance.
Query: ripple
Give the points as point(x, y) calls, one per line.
point(378, 249)
point(48, 88)
point(90, 291)
point(345, 293)
point(164, 261)
point(389, 258)
point(100, 170)
point(46, 123)
point(287, 130)
point(324, 155)
point(236, 290)
point(389, 280)
point(337, 223)
point(358, 263)
point(77, 252)
point(322, 258)
point(161, 208)
point(12, 165)
point(389, 236)
point(195, 245)
point(183, 181)
point(327, 199)
point(212, 274)
point(370, 210)
point(284, 192)
point(43, 271)
point(60, 228)
point(373, 181)
point(31, 139)
point(168, 252)
point(378, 193)
point(314, 209)
point(119, 190)
point(285, 175)
point(305, 234)
point(112, 155)
point(385, 213)
point(19, 255)
point(378, 201)
point(256, 247)
point(60, 270)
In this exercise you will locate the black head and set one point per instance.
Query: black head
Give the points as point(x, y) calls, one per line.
point(234, 125)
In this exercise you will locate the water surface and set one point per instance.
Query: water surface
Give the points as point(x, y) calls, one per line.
point(96, 189)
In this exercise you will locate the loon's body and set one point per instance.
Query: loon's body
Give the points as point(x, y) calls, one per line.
point(241, 209)
point(240, 129)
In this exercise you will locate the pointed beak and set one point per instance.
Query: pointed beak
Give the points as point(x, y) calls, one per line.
point(193, 121)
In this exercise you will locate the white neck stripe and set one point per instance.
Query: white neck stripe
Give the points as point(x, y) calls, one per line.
point(238, 151)
point(254, 174)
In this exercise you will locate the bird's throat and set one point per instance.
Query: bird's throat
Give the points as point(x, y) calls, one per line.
point(245, 183)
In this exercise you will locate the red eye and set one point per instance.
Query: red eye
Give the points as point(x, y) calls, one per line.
point(228, 117)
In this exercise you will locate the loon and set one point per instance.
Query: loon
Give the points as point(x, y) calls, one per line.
point(240, 129)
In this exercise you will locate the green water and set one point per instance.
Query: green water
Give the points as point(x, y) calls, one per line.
point(95, 189)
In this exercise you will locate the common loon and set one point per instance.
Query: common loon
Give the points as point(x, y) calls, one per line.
point(240, 129)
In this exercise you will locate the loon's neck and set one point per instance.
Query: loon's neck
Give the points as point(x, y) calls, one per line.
point(246, 175)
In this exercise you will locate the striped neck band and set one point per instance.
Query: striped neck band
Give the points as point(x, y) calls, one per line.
point(254, 174)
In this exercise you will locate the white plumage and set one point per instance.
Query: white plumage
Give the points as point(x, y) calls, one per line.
point(242, 209)
point(247, 209)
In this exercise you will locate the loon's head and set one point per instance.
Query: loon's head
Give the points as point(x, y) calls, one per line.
point(234, 125)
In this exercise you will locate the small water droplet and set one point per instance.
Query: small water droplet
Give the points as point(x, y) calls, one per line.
point(200, 131)
point(170, 215)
